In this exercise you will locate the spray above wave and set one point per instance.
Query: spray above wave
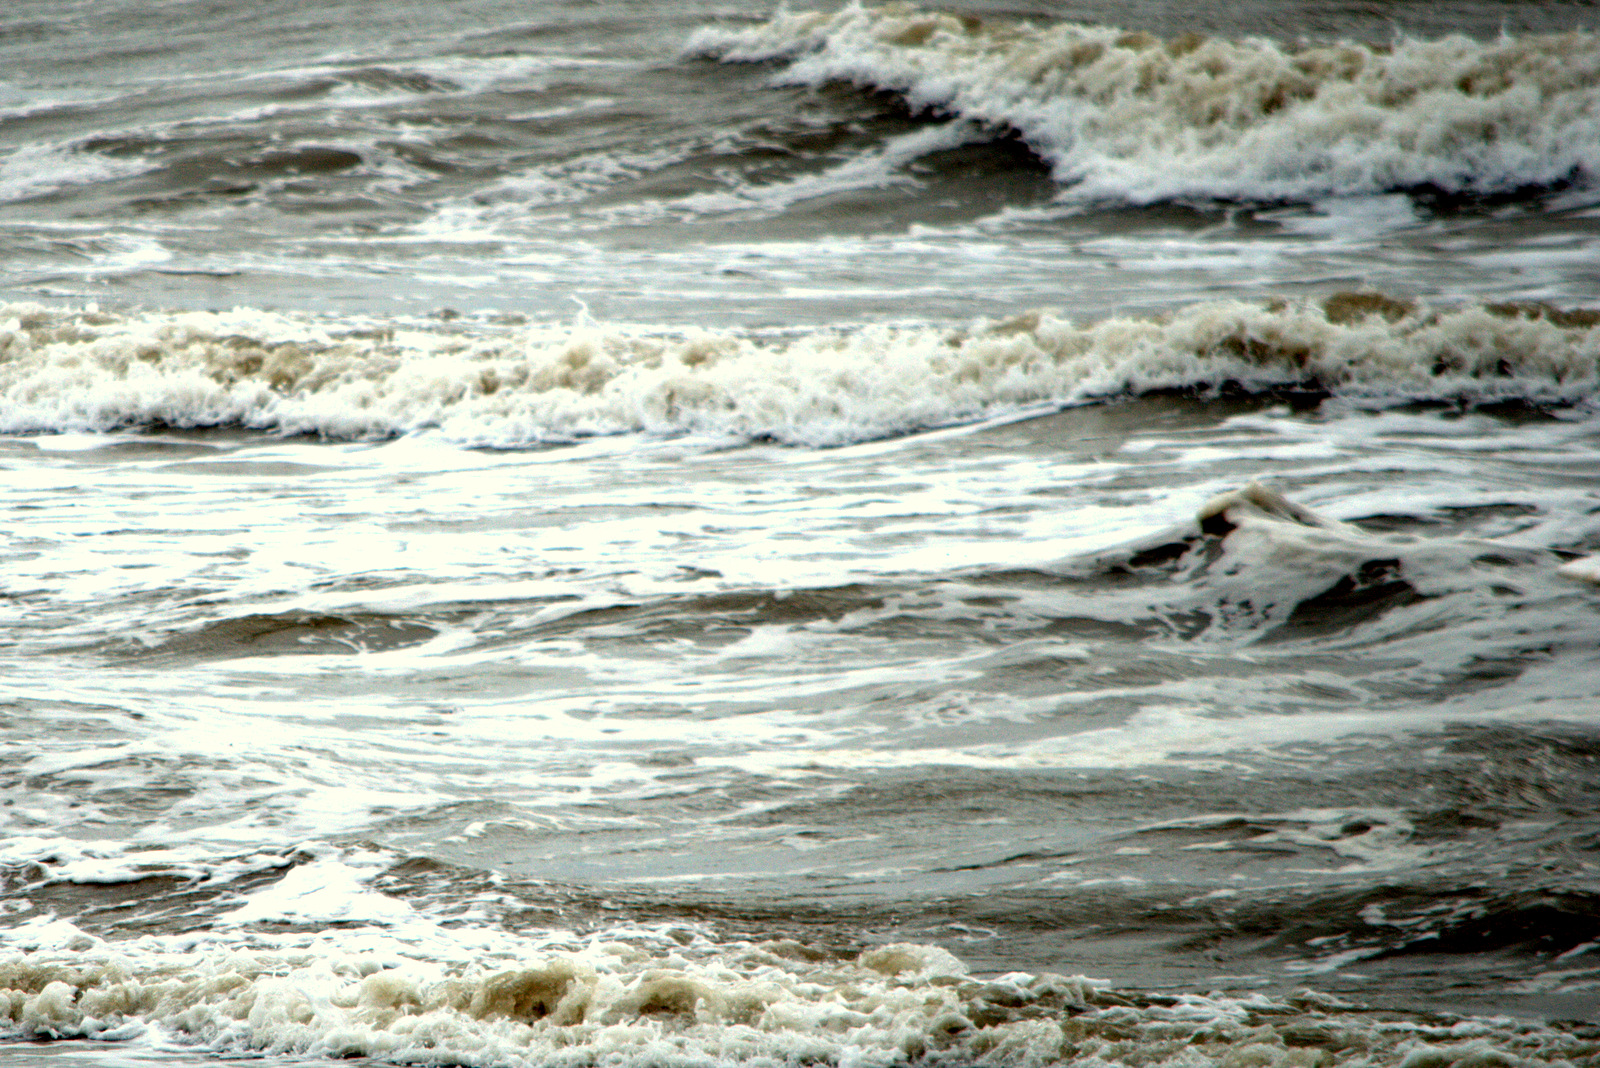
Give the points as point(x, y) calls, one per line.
point(1128, 116)
point(511, 386)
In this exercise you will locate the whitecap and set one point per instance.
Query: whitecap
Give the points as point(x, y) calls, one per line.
point(515, 386)
point(1132, 117)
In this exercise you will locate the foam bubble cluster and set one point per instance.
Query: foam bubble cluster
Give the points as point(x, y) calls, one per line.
point(1129, 116)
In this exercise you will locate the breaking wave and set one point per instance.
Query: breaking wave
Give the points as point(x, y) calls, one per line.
point(1129, 116)
point(497, 385)
point(648, 1001)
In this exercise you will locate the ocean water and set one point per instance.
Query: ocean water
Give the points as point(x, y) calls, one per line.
point(620, 533)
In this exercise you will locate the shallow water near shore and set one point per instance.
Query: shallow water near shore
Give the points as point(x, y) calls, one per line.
point(607, 535)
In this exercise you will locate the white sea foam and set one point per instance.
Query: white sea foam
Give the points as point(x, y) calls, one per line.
point(1128, 116)
point(323, 891)
point(508, 387)
point(876, 169)
point(468, 995)
point(502, 207)
point(505, 206)
point(37, 169)
point(1586, 569)
point(1274, 558)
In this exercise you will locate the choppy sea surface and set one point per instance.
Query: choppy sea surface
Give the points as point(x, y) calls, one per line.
point(639, 534)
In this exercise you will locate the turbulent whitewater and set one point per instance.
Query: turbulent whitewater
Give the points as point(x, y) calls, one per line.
point(652, 1002)
point(1130, 116)
point(509, 386)
point(618, 534)
point(337, 954)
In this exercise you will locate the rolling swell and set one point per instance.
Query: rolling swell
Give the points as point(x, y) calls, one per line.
point(1132, 117)
point(509, 384)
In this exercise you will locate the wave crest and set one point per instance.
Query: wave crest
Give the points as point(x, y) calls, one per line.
point(514, 386)
point(1129, 116)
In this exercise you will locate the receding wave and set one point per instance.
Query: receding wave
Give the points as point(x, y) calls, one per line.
point(518, 385)
point(1129, 116)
